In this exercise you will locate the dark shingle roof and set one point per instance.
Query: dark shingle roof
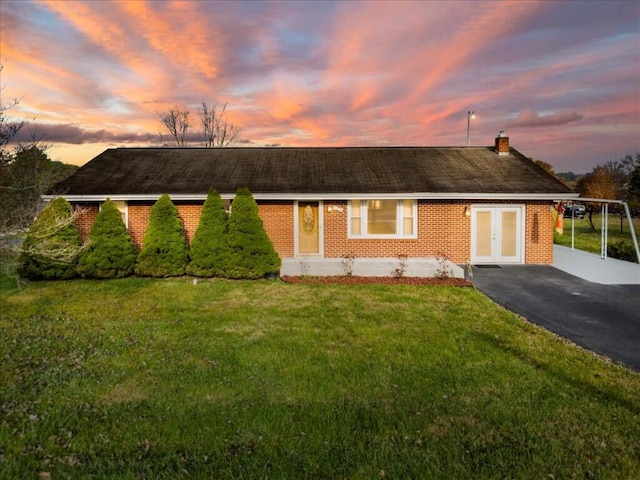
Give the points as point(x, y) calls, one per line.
point(364, 170)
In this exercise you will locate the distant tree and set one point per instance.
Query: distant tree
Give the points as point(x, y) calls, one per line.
point(24, 179)
point(217, 130)
point(176, 121)
point(568, 176)
point(209, 252)
point(633, 187)
point(596, 184)
point(110, 253)
point(251, 252)
point(634, 180)
point(164, 250)
point(609, 180)
point(545, 166)
point(52, 245)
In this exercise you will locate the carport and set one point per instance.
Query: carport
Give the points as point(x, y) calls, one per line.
point(605, 222)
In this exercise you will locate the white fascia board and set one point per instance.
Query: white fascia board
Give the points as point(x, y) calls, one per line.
point(331, 196)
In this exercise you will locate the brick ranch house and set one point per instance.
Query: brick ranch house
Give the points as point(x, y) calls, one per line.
point(480, 205)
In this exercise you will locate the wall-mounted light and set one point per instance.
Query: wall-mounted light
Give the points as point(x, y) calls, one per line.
point(467, 211)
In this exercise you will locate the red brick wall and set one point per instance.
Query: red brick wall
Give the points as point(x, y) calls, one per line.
point(539, 233)
point(138, 214)
point(278, 223)
point(443, 228)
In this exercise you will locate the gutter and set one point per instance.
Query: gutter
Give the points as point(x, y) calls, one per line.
point(326, 196)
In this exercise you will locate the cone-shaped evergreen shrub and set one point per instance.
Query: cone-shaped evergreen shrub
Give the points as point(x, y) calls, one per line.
point(251, 253)
point(110, 253)
point(209, 252)
point(164, 250)
point(52, 245)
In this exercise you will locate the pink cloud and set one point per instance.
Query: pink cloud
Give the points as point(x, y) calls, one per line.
point(530, 118)
point(329, 73)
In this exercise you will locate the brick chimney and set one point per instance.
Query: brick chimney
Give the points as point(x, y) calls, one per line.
point(502, 144)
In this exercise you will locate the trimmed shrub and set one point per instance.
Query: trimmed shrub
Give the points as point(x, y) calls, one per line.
point(52, 245)
point(110, 253)
point(251, 253)
point(209, 252)
point(164, 249)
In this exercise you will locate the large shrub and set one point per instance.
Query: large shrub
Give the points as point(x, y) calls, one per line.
point(209, 252)
point(110, 253)
point(52, 245)
point(164, 250)
point(251, 253)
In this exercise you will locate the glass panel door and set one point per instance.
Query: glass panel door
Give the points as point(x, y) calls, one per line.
point(496, 234)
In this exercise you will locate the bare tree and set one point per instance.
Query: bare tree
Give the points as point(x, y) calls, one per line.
point(8, 129)
point(176, 122)
point(217, 130)
point(45, 243)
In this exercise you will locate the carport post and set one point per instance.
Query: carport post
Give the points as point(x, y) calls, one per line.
point(604, 230)
point(633, 230)
point(573, 227)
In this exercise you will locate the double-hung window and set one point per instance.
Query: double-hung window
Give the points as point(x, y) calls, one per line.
point(383, 218)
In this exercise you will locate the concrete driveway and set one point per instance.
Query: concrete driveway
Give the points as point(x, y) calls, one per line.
point(602, 318)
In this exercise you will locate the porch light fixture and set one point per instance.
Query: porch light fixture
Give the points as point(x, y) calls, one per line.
point(470, 114)
point(467, 211)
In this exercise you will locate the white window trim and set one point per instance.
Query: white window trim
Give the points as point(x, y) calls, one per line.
point(399, 220)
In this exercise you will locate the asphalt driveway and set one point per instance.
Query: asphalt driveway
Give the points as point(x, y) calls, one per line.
point(602, 318)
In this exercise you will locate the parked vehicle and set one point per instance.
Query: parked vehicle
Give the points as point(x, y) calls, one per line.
point(575, 211)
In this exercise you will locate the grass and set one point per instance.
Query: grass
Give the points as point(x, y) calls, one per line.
point(142, 378)
point(588, 240)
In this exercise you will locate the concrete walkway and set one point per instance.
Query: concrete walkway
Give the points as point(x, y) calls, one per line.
point(602, 318)
point(592, 267)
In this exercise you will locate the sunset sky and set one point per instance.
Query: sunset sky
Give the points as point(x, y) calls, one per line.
point(562, 79)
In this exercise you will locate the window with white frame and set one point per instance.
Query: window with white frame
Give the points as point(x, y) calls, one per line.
point(383, 218)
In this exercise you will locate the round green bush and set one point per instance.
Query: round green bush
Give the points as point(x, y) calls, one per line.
point(209, 252)
point(52, 245)
point(251, 253)
point(164, 250)
point(110, 253)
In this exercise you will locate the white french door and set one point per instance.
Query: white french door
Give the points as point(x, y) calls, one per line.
point(497, 234)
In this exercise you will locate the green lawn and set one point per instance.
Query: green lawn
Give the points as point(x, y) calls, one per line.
point(142, 378)
point(590, 241)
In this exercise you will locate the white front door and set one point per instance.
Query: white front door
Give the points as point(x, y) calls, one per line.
point(496, 234)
